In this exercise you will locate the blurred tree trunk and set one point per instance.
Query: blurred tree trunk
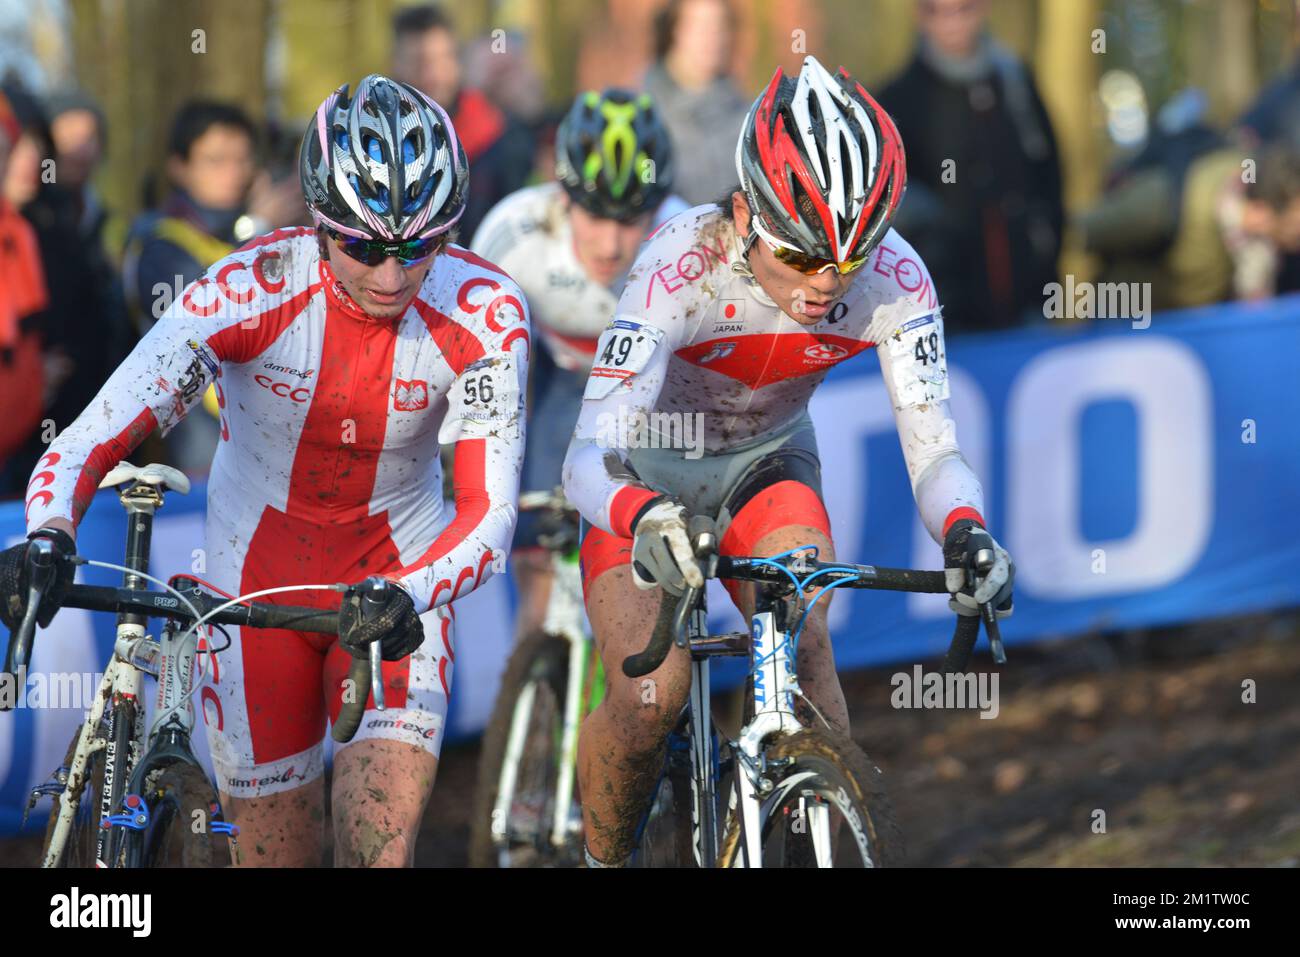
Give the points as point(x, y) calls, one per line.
point(559, 30)
point(1015, 23)
point(1066, 71)
point(328, 43)
point(165, 52)
point(1234, 57)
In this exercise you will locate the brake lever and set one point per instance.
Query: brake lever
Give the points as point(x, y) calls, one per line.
point(40, 558)
point(984, 561)
point(372, 592)
point(990, 617)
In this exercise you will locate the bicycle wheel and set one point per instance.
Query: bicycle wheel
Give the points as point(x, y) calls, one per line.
point(666, 832)
point(827, 807)
point(79, 845)
point(522, 750)
point(182, 809)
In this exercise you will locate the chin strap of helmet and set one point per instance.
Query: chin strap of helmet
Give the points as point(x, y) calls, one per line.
point(740, 265)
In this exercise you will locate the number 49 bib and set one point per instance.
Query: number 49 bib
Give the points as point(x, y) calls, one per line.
point(624, 349)
point(918, 361)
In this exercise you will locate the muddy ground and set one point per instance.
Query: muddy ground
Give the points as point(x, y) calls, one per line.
point(1149, 727)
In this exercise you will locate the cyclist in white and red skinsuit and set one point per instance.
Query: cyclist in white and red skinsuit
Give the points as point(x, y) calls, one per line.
point(697, 404)
point(338, 382)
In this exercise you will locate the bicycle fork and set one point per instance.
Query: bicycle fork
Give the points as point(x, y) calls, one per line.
point(774, 691)
point(578, 651)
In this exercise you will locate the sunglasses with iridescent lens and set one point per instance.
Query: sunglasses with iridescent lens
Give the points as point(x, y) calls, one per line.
point(372, 252)
point(811, 266)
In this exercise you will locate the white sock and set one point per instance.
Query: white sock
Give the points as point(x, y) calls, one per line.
point(592, 862)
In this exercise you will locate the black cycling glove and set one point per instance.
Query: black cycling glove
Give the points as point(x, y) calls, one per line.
point(391, 621)
point(14, 583)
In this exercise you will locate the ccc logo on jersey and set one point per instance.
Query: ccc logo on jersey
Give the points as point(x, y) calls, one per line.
point(284, 389)
point(411, 396)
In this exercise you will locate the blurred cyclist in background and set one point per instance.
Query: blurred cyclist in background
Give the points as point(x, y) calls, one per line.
point(569, 245)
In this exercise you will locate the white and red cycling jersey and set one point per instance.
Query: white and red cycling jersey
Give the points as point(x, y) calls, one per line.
point(695, 336)
point(327, 471)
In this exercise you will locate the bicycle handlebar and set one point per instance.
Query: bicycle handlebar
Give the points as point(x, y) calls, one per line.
point(770, 571)
point(362, 672)
point(153, 604)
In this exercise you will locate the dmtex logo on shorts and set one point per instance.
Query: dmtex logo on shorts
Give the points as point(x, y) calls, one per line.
point(399, 724)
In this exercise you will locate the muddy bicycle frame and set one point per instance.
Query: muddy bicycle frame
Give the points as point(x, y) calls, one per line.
point(565, 619)
point(171, 658)
point(775, 686)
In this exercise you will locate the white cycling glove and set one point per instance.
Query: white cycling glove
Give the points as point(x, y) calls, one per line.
point(967, 588)
point(661, 550)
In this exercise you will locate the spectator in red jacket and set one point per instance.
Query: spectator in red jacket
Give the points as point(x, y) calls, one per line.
point(23, 301)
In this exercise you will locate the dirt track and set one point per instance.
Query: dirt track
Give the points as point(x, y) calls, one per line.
point(1148, 727)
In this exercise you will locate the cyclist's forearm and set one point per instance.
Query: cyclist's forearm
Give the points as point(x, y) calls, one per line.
point(67, 476)
point(604, 492)
point(942, 481)
point(470, 562)
point(470, 549)
point(156, 385)
point(597, 479)
point(947, 490)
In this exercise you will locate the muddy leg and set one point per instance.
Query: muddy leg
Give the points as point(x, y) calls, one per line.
point(379, 793)
point(621, 747)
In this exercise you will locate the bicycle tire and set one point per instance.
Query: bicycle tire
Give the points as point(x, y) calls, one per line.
point(666, 840)
point(182, 797)
point(540, 658)
point(841, 773)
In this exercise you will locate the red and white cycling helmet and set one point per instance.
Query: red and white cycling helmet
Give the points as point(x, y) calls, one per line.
point(821, 164)
point(383, 163)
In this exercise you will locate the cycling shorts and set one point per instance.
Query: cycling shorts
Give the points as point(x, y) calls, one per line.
point(750, 491)
point(267, 697)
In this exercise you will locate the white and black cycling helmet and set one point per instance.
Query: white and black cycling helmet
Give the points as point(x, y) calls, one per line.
point(821, 165)
point(383, 163)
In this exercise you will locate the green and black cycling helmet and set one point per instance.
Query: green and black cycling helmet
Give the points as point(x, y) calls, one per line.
point(613, 154)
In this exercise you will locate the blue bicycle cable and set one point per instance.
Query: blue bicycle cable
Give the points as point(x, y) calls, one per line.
point(792, 641)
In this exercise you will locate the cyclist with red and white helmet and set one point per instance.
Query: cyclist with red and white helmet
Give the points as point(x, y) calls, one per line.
point(343, 356)
point(697, 405)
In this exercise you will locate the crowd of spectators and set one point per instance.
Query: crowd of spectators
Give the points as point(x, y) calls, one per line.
point(1203, 215)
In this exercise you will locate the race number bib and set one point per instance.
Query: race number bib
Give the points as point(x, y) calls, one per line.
point(624, 349)
point(917, 360)
point(483, 401)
